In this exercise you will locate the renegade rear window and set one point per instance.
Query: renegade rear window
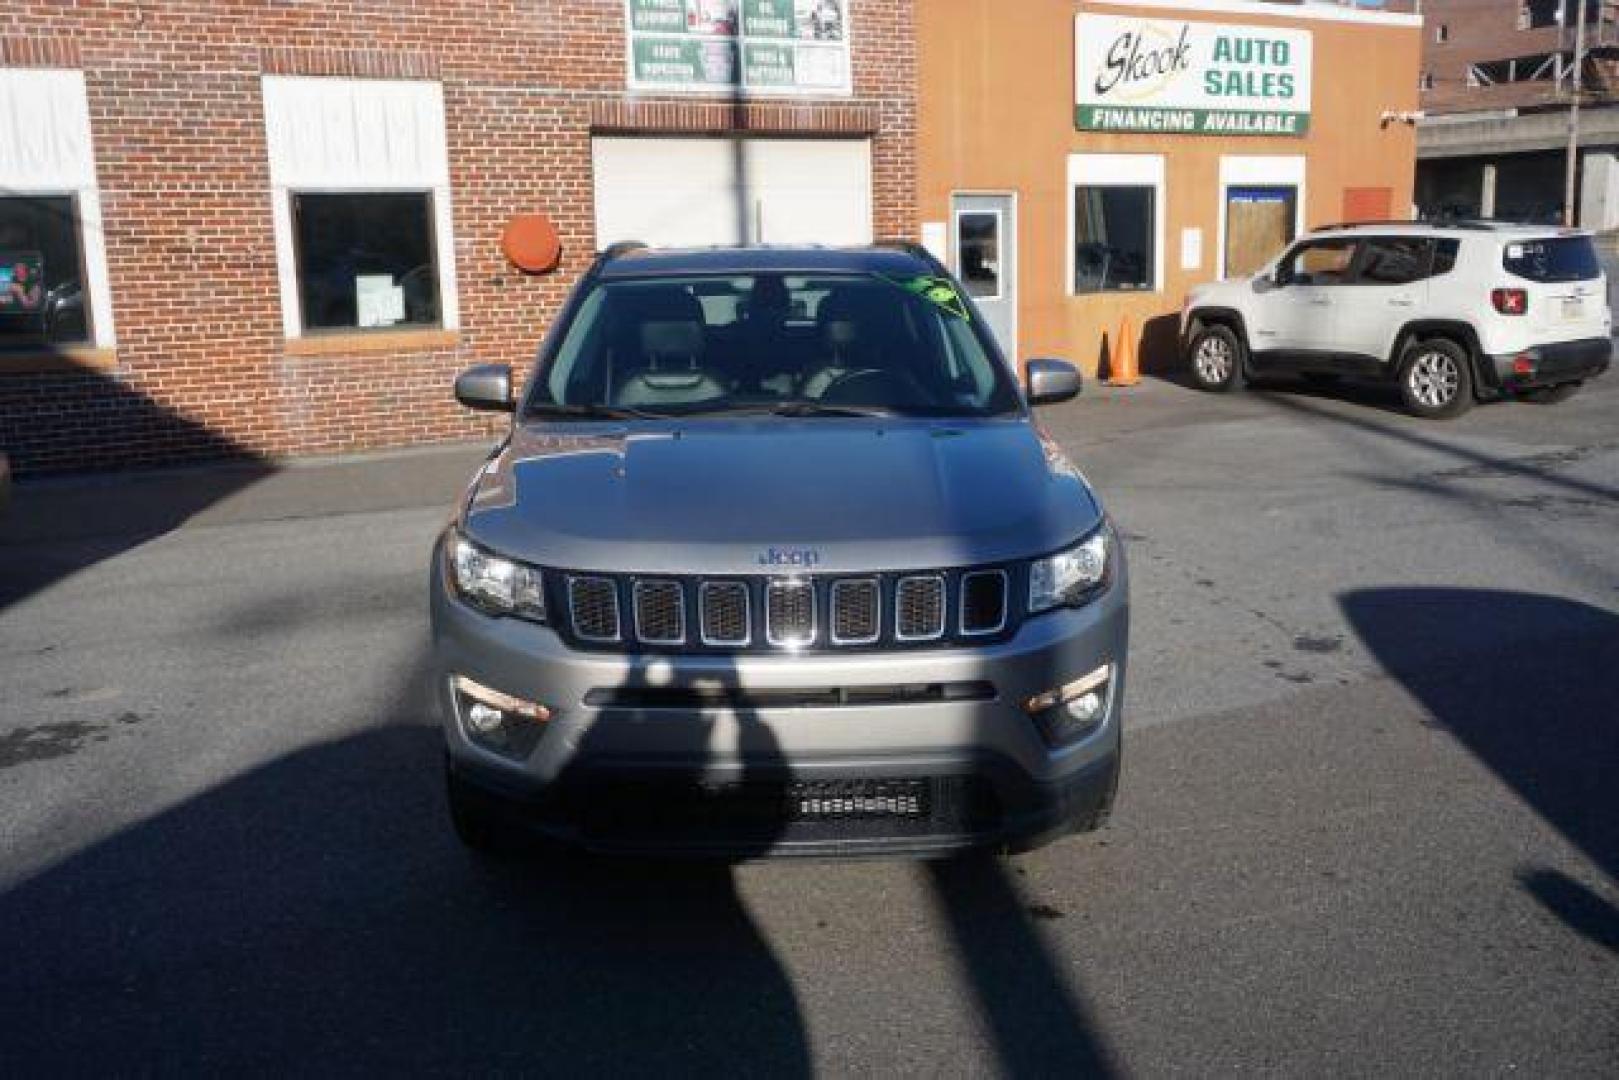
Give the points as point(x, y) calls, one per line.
point(1560, 258)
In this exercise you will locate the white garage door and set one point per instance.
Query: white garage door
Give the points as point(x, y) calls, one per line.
point(696, 192)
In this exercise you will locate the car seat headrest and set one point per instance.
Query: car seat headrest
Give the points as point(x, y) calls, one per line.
point(672, 338)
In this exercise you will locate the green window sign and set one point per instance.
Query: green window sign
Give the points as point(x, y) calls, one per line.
point(777, 47)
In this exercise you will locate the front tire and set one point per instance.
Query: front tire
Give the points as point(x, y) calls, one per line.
point(1436, 379)
point(1215, 355)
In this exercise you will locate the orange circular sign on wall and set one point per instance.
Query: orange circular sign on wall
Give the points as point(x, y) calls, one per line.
point(531, 242)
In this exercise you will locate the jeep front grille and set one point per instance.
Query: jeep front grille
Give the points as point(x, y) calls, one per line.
point(810, 612)
point(856, 607)
point(790, 613)
point(660, 612)
point(919, 608)
point(983, 602)
point(593, 602)
point(725, 613)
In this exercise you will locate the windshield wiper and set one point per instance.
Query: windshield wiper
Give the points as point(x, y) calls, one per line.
point(591, 412)
point(802, 407)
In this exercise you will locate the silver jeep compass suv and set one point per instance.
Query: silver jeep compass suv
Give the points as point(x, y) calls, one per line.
point(774, 560)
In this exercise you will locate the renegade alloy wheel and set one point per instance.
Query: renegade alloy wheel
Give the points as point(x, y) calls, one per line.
point(1215, 353)
point(1436, 379)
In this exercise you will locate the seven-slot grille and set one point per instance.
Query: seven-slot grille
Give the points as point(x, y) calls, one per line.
point(660, 612)
point(983, 602)
point(594, 604)
point(919, 608)
point(724, 613)
point(856, 607)
point(788, 612)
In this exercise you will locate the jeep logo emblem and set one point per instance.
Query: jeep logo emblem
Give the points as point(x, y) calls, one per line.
point(795, 558)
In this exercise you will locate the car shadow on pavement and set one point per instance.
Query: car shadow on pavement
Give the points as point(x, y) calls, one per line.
point(317, 915)
point(1038, 1025)
point(1272, 386)
point(1529, 684)
point(1366, 393)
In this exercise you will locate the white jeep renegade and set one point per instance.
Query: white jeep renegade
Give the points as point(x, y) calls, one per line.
point(1453, 312)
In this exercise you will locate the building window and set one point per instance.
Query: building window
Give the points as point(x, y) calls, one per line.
point(1115, 230)
point(53, 259)
point(1425, 81)
point(1441, 33)
point(978, 247)
point(361, 197)
point(42, 286)
point(365, 260)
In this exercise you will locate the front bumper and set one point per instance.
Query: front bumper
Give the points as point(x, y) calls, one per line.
point(648, 778)
point(1551, 365)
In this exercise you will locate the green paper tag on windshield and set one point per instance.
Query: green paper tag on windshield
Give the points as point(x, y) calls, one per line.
point(934, 290)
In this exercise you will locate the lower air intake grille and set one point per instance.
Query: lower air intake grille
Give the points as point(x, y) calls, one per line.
point(849, 800)
point(660, 616)
point(919, 608)
point(594, 603)
point(790, 613)
point(754, 815)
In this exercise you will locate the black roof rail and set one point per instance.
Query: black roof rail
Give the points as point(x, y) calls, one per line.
point(623, 247)
point(1478, 224)
point(911, 247)
point(1369, 223)
point(1430, 223)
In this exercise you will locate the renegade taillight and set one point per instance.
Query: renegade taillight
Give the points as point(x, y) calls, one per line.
point(1510, 301)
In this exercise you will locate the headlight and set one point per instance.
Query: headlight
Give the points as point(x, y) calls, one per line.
point(1070, 578)
point(499, 586)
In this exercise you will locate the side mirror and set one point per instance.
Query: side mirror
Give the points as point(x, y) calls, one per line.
point(486, 387)
point(1051, 381)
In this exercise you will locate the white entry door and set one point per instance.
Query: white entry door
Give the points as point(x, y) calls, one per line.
point(671, 192)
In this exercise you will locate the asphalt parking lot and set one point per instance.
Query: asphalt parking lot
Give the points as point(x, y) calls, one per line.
point(1369, 820)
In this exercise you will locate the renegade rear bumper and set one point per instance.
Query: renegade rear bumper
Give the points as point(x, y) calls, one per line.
point(921, 752)
point(1551, 365)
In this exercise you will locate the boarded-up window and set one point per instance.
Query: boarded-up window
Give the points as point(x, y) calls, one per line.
point(1259, 223)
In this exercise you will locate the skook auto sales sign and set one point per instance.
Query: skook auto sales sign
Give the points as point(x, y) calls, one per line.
point(1175, 76)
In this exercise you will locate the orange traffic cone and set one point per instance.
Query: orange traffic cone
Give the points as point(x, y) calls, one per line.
point(1124, 368)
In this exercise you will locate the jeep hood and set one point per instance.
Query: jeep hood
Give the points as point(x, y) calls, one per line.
point(731, 496)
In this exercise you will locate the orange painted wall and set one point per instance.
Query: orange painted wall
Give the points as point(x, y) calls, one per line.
point(996, 113)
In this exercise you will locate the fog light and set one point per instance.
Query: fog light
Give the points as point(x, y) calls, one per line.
point(1086, 708)
point(1523, 364)
point(497, 721)
point(1072, 711)
point(484, 719)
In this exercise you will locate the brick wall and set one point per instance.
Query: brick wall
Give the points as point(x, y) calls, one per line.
point(1487, 31)
point(202, 368)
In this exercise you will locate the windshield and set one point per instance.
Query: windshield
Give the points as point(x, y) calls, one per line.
point(1565, 258)
point(804, 344)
